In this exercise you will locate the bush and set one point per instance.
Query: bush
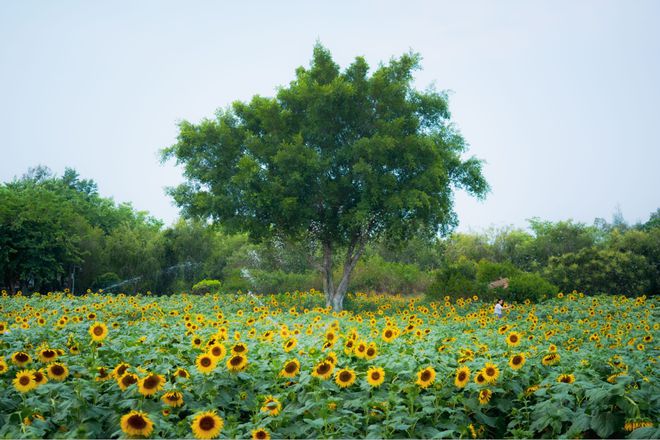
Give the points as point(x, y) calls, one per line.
point(105, 280)
point(206, 286)
point(529, 286)
point(457, 279)
point(488, 271)
point(376, 274)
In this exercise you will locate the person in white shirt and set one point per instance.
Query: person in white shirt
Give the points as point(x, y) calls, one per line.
point(499, 306)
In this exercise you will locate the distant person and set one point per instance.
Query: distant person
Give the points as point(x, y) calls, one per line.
point(499, 306)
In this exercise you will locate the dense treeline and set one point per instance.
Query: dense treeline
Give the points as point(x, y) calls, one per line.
point(59, 232)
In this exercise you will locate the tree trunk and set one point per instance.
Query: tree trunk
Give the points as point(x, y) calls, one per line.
point(334, 297)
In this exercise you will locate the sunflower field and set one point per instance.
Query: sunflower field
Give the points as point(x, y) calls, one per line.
point(285, 366)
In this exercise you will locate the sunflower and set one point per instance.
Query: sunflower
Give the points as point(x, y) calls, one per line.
point(239, 348)
point(102, 374)
point(332, 358)
point(360, 349)
point(462, 377)
point(24, 381)
point(217, 350)
point(237, 363)
point(40, 378)
point(151, 384)
point(3, 327)
point(551, 359)
point(389, 334)
point(21, 358)
point(484, 396)
point(120, 369)
point(291, 368)
point(3, 366)
point(349, 346)
point(290, 344)
point(491, 372)
point(372, 352)
point(260, 434)
point(205, 363)
point(480, 378)
point(127, 380)
point(345, 377)
point(566, 378)
point(375, 376)
point(513, 339)
point(181, 373)
point(47, 355)
point(271, 405)
point(98, 331)
point(57, 371)
point(517, 361)
point(172, 398)
point(136, 424)
point(323, 370)
point(425, 377)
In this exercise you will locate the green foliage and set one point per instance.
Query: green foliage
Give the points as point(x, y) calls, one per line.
point(600, 271)
point(488, 271)
point(206, 286)
point(457, 279)
point(376, 274)
point(531, 286)
point(336, 158)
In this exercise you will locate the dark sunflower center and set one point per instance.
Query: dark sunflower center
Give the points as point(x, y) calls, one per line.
point(388, 334)
point(345, 376)
point(461, 376)
point(57, 370)
point(24, 380)
point(323, 368)
point(136, 421)
point(239, 349)
point(151, 382)
point(217, 351)
point(173, 397)
point(48, 353)
point(38, 376)
point(98, 330)
point(517, 360)
point(205, 362)
point(261, 434)
point(207, 423)
point(121, 370)
point(290, 367)
point(490, 371)
point(371, 352)
point(182, 373)
point(129, 379)
point(513, 338)
point(236, 361)
point(566, 379)
point(426, 375)
point(21, 357)
point(375, 375)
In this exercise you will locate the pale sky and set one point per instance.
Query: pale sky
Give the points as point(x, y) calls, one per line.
point(560, 98)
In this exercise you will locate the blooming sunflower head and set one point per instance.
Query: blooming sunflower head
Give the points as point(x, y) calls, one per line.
point(491, 372)
point(484, 396)
point(237, 363)
point(47, 355)
point(205, 363)
point(375, 376)
point(513, 339)
point(136, 424)
point(260, 434)
point(21, 358)
point(98, 331)
point(172, 398)
point(345, 377)
point(566, 378)
point(425, 377)
point(207, 425)
point(127, 380)
point(217, 350)
point(291, 368)
point(24, 381)
point(462, 377)
point(517, 361)
point(151, 384)
point(323, 370)
point(271, 405)
point(57, 371)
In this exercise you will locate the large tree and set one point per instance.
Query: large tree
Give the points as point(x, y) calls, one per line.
point(335, 159)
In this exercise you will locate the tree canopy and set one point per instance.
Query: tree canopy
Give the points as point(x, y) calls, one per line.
point(335, 159)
